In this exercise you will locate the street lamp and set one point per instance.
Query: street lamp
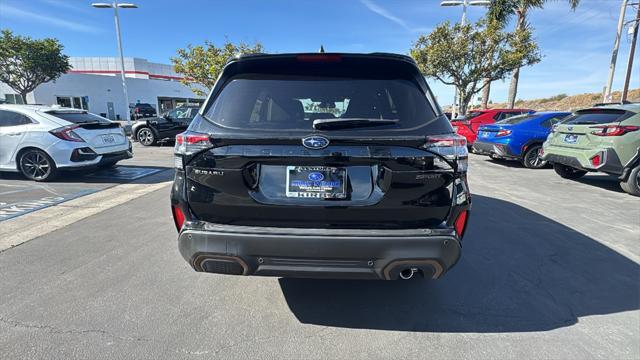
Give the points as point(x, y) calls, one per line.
point(464, 4)
point(115, 5)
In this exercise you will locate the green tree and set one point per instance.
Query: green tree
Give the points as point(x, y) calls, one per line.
point(201, 65)
point(502, 11)
point(26, 63)
point(466, 55)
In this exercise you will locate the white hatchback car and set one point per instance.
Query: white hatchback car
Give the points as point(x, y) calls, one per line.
point(38, 140)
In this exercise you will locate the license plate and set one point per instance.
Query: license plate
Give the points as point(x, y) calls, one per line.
point(108, 139)
point(571, 138)
point(318, 182)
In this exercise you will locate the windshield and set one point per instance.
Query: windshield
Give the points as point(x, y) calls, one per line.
point(77, 117)
point(294, 103)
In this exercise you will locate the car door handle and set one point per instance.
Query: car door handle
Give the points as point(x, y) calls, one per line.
point(14, 134)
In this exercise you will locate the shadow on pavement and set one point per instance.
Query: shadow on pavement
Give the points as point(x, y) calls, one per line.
point(594, 179)
point(602, 181)
point(519, 271)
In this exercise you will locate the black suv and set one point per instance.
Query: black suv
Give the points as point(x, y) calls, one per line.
point(150, 131)
point(321, 165)
point(142, 110)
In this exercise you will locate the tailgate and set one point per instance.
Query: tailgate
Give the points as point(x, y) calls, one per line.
point(341, 186)
point(102, 135)
point(577, 130)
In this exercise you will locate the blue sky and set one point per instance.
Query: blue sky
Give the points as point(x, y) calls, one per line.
point(576, 45)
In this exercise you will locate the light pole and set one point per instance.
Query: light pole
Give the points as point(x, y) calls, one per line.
point(614, 54)
point(464, 4)
point(115, 5)
point(632, 50)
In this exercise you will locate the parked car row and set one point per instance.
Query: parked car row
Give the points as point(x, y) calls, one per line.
point(40, 141)
point(603, 138)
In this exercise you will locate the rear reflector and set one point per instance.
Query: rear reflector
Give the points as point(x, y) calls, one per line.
point(596, 160)
point(178, 217)
point(460, 223)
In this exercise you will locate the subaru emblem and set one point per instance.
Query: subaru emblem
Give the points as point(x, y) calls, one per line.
point(316, 176)
point(315, 142)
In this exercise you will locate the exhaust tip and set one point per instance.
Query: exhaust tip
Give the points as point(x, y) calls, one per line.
point(407, 274)
point(220, 264)
point(408, 268)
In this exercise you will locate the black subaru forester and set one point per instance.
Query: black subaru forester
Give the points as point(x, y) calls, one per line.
point(321, 165)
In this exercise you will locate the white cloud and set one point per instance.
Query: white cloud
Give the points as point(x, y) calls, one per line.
point(73, 5)
point(8, 11)
point(375, 8)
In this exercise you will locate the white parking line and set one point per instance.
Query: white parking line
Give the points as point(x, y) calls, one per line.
point(23, 228)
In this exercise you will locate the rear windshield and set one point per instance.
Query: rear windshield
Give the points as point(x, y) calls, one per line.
point(144, 106)
point(292, 103)
point(517, 119)
point(597, 116)
point(78, 117)
point(469, 116)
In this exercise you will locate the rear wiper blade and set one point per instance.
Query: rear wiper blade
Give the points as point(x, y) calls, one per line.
point(319, 124)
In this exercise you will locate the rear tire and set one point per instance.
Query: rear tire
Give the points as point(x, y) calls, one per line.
point(567, 172)
point(36, 165)
point(146, 136)
point(531, 158)
point(632, 185)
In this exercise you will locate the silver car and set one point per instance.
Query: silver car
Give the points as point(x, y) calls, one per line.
point(39, 141)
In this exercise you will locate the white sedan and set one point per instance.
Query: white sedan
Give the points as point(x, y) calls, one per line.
point(38, 141)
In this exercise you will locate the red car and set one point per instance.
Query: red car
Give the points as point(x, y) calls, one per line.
point(468, 126)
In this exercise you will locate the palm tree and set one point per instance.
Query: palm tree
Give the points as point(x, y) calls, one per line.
point(502, 11)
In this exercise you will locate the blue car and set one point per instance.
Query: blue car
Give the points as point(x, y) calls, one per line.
point(518, 138)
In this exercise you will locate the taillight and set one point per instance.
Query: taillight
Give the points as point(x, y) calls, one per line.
point(451, 147)
point(189, 143)
point(67, 133)
point(178, 217)
point(613, 130)
point(503, 133)
point(460, 224)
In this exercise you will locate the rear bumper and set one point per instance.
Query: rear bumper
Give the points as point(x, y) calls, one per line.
point(580, 159)
point(318, 253)
point(62, 152)
point(495, 149)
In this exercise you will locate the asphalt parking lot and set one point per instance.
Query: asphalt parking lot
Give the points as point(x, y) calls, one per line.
point(550, 269)
point(19, 196)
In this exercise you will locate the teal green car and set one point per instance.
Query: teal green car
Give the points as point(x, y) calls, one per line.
point(603, 138)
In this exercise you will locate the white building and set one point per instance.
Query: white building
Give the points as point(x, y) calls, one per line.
point(94, 84)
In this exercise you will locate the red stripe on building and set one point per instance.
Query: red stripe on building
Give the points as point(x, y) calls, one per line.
point(155, 76)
